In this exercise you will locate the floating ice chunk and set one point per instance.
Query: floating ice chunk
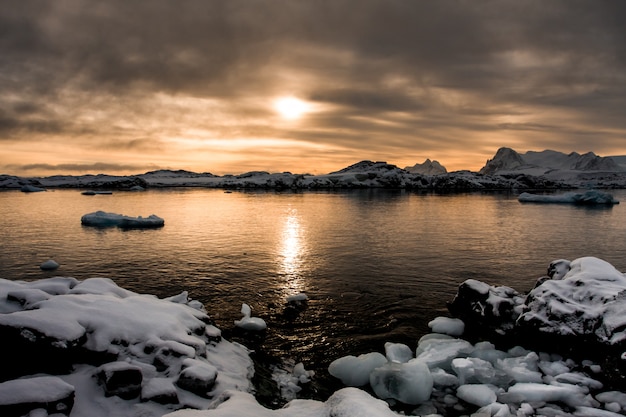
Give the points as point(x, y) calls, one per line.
point(354, 371)
point(49, 265)
point(102, 219)
point(300, 297)
point(410, 383)
point(590, 197)
point(31, 189)
point(477, 394)
point(446, 325)
point(398, 352)
point(248, 322)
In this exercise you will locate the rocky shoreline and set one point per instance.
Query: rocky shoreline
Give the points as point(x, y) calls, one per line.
point(91, 348)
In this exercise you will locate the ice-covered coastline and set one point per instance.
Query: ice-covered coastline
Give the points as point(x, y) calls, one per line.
point(91, 348)
point(508, 170)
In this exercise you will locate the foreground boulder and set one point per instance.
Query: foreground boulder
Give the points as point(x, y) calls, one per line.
point(49, 393)
point(580, 306)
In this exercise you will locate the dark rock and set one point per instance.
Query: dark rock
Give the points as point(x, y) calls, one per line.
point(21, 396)
point(160, 390)
point(197, 377)
point(121, 379)
point(485, 309)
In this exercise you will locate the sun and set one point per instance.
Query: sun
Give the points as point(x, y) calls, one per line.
point(290, 108)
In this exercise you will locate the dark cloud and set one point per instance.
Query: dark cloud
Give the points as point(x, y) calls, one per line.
point(98, 167)
point(392, 72)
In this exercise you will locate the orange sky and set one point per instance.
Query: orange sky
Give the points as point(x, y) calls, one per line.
point(126, 87)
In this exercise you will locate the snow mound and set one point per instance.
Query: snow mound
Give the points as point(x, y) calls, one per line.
point(102, 219)
point(108, 342)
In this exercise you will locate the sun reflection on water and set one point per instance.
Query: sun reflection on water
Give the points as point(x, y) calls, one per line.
point(292, 252)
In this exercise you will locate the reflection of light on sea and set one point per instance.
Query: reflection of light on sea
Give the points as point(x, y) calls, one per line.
point(292, 253)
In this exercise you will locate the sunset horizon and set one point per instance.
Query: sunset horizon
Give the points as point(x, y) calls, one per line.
point(303, 87)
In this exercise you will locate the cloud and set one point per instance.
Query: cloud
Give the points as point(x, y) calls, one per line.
point(389, 76)
point(98, 167)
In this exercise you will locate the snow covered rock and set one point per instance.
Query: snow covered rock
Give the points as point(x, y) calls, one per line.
point(121, 379)
point(587, 302)
point(21, 396)
point(109, 342)
point(485, 308)
point(49, 265)
point(197, 377)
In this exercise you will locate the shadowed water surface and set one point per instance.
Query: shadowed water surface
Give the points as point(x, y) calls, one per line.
point(376, 265)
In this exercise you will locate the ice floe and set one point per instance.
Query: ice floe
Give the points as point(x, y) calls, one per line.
point(103, 219)
point(587, 198)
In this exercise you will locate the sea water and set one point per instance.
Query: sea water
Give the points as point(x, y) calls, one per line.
point(376, 265)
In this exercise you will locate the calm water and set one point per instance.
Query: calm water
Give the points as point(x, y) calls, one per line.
point(376, 265)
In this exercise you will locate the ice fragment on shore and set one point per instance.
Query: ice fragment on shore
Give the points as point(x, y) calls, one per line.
point(354, 371)
point(446, 325)
point(410, 383)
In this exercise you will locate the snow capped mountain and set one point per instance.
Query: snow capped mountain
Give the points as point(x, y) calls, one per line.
point(427, 168)
point(507, 160)
point(366, 166)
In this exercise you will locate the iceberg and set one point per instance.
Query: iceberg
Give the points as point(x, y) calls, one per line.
point(588, 198)
point(102, 219)
point(31, 189)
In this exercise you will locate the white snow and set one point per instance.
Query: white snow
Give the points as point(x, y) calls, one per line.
point(39, 389)
point(103, 219)
point(250, 323)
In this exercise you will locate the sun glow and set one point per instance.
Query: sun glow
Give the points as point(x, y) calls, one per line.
point(291, 108)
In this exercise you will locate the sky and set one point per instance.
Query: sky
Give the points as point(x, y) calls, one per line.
point(231, 86)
